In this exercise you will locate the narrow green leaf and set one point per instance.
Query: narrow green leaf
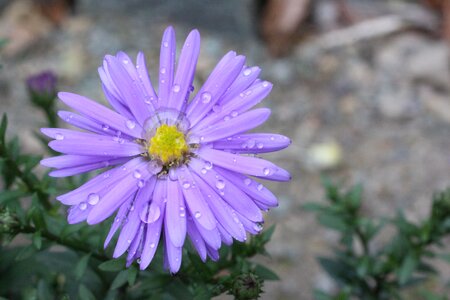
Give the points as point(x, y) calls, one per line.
point(25, 253)
point(120, 279)
point(81, 266)
point(332, 222)
point(6, 196)
point(37, 240)
point(132, 275)
point(112, 265)
point(84, 293)
point(407, 268)
point(265, 273)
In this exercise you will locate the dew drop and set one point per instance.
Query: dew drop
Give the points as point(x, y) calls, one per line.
point(152, 213)
point(206, 97)
point(130, 124)
point(186, 185)
point(105, 127)
point(259, 145)
point(197, 215)
point(265, 84)
point(129, 241)
point(248, 93)
point(251, 143)
point(163, 70)
point(166, 44)
point(140, 183)
point(125, 61)
point(247, 181)
point(226, 118)
point(173, 175)
point(266, 171)
point(257, 227)
point(247, 72)
point(176, 88)
point(137, 174)
point(132, 208)
point(182, 212)
point(272, 138)
point(208, 165)
point(234, 114)
point(163, 81)
point(152, 245)
point(204, 171)
point(59, 136)
point(217, 108)
point(82, 206)
point(259, 187)
point(93, 198)
point(220, 184)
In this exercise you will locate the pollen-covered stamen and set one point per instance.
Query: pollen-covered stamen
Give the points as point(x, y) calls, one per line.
point(168, 145)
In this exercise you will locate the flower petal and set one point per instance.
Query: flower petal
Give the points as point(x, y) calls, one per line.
point(101, 114)
point(217, 83)
point(244, 122)
point(141, 67)
point(196, 239)
point(253, 143)
point(173, 253)
point(228, 191)
point(195, 200)
point(244, 164)
point(175, 220)
point(64, 172)
point(185, 71)
point(166, 65)
point(247, 76)
point(118, 220)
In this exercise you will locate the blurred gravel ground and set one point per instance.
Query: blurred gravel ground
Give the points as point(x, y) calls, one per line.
point(376, 112)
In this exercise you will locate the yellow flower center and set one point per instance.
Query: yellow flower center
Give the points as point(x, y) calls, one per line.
point(168, 145)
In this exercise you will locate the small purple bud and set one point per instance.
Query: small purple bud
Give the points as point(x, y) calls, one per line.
point(42, 88)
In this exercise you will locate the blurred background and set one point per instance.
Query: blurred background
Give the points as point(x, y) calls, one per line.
point(362, 87)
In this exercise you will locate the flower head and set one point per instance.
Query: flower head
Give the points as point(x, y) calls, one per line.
point(174, 166)
point(42, 88)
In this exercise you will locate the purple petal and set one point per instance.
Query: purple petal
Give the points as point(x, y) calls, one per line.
point(185, 71)
point(68, 134)
point(64, 172)
point(212, 253)
point(116, 103)
point(175, 220)
point(241, 123)
point(69, 161)
point(135, 249)
point(217, 83)
point(173, 254)
point(252, 188)
point(83, 122)
point(194, 199)
point(238, 105)
point(101, 114)
point(118, 193)
point(196, 239)
point(101, 182)
point(141, 67)
point(96, 147)
point(227, 239)
point(229, 192)
point(130, 228)
point(247, 76)
point(244, 164)
point(166, 65)
point(253, 143)
point(120, 217)
point(78, 213)
point(132, 91)
point(250, 226)
point(222, 211)
point(210, 236)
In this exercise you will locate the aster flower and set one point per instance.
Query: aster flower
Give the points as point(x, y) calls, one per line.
point(175, 167)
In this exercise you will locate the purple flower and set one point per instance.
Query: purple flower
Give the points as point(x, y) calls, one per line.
point(175, 167)
point(42, 88)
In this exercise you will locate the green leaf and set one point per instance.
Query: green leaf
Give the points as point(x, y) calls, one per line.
point(25, 252)
point(3, 126)
point(37, 240)
point(112, 265)
point(81, 266)
point(84, 293)
point(267, 234)
point(132, 275)
point(353, 197)
point(407, 268)
point(120, 279)
point(265, 273)
point(337, 269)
point(311, 206)
point(6, 196)
point(332, 222)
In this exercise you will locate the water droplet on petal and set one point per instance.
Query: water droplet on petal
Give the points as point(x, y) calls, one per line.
point(204, 171)
point(132, 208)
point(166, 44)
point(259, 187)
point(220, 184)
point(105, 127)
point(251, 143)
point(176, 88)
point(129, 241)
point(59, 136)
point(152, 245)
point(93, 198)
point(247, 72)
point(257, 227)
point(186, 185)
point(151, 214)
point(130, 124)
point(259, 145)
point(163, 70)
point(82, 205)
point(272, 138)
point(208, 165)
point(234, 114)
point(206, 97)
point(125, 61)
point(266, 171)
point(226, 118)
point(173, 174)
point(247, 181)
point(182, 212)
point(137, 174)
point(197, 215)
point(265, 84)
point(217, 108)
point(140, 183)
